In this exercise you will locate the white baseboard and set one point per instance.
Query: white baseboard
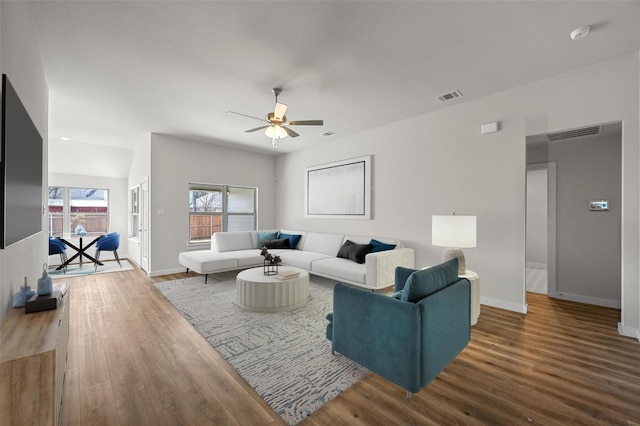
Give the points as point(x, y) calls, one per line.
point(166, 272)
point(628, 331)
point(536, 265)
point(504, 305)
point(588, 300)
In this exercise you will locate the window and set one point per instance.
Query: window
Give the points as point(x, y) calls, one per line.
point(214, 208)
point(70, 207)
point(135, 211)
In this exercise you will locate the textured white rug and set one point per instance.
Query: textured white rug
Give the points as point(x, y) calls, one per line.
point(284, 356)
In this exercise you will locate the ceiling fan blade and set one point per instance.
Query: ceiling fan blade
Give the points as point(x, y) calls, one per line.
point(305, 123)
point(257, 128)
point(246, 115)
point(280, 110)
point(290, 132)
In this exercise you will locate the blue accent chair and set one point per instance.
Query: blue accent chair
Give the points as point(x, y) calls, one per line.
point(109, 242)
point(58, 247)
point(407, 338)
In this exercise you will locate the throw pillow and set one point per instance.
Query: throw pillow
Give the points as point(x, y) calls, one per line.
point(354, 252)
point(293, 239)
point(266, 235)
point(425, 282)
point(380, 246)
point(276, 244)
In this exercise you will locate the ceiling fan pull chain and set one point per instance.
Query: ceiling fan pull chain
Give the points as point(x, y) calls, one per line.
point(274, 143)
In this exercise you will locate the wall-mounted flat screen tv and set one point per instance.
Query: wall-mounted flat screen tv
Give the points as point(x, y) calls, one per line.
point(20, 170)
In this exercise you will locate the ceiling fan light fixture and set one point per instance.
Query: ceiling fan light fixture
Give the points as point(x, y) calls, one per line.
point(275, 131)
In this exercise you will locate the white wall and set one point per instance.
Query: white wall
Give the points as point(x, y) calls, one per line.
point(438, 163)
point(536, 250)
point(118, 203)
point(176, 162)
point(20, 60)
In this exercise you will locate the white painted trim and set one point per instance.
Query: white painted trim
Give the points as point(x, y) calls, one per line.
point(501, 304)
point(536, 265)
point(628, 331)
point(166, 272)
point(589, 300)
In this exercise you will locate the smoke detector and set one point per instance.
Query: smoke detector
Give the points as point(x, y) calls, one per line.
point(579, 33)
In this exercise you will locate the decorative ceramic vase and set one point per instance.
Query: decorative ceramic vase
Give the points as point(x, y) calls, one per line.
point(45, 284)
point(80, 230)
point(21, 296)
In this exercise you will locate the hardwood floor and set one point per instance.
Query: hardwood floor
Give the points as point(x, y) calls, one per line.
point(134, 360)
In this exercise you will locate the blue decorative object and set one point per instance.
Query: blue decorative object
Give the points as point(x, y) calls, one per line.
point(407, 343)
point(45, 284)
point(80, 230)
point(24, 294)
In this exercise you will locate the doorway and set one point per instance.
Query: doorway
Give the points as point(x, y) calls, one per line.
point(541, 229)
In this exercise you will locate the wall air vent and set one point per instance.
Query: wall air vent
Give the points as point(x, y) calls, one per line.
point(576, 133)
point(448, 96)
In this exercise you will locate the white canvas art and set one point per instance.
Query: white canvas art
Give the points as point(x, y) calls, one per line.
point(339, 190)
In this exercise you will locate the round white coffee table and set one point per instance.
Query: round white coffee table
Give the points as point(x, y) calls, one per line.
point(268, 293)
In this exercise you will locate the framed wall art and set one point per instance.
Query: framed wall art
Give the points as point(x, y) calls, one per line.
point(339, 190)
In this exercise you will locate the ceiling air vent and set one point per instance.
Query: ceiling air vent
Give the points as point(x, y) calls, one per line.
point(329, 133)
point(576, 133)
point(448, 96)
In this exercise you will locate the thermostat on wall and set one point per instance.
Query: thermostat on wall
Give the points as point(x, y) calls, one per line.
point(598, 205)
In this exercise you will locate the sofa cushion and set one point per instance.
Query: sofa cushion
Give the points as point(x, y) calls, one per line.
point(299, 258)
point(230, 241)
point(266, 235)
point(320, 242)
point(294, 239)
point(340, 269)
point(354, 252)
point(422, 283)
point(276, 244)
point(246, 258)
point(202, 262)
point(377, 246)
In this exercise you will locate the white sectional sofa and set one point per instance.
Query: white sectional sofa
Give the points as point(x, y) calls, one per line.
point(315, 251)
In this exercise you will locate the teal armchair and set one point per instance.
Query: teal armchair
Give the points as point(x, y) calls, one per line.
point(407, 338)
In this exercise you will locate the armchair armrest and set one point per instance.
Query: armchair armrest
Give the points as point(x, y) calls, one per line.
point(381, 266)
point(378, 332)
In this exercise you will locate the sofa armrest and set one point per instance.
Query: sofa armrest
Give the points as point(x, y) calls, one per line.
point(381, 266)
point(378, 332)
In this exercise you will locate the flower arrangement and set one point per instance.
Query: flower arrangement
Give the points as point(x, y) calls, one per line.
point(270, 262)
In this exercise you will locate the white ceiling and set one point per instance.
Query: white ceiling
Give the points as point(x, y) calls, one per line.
point(118, 71)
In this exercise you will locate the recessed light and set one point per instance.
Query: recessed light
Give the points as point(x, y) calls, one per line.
point(579, 33)
point(64, 138)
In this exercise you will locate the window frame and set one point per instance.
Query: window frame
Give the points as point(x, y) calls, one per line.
point(224, 214)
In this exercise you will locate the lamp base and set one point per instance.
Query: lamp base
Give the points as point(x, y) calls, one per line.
point(455, 253)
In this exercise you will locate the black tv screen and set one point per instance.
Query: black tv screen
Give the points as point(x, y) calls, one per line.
point(20, 170)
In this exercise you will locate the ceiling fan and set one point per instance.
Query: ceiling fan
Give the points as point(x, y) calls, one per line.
point(276, 127)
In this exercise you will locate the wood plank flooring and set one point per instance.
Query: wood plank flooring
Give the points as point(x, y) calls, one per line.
point(134, 360)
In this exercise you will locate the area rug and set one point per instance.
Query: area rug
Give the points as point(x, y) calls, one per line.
point(88, 268)
point(284, 356)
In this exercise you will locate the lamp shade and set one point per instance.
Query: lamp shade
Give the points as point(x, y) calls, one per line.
point(275, 132)
point(453, 231)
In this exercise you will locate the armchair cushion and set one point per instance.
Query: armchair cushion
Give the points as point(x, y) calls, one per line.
point(425, 282)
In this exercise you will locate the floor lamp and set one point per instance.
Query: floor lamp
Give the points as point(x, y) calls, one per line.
point(455, 233)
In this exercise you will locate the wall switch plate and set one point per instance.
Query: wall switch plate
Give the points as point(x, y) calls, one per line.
point(601, 205)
